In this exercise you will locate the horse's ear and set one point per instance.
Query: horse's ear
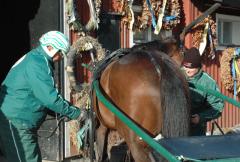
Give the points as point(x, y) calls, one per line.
point(170, 39)
point(185, 48)
point(176, 39)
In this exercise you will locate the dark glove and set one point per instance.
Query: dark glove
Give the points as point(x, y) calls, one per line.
point(83, 116)
point(77, 88)
point(63, 118)
point(80, 87)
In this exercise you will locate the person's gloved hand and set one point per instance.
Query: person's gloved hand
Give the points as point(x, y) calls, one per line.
point(80, 87)
point(83, 115)
point(195, 119)
point(63, 118)
point(77, 88)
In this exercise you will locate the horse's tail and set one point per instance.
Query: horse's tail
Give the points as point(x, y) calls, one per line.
point(175, 99)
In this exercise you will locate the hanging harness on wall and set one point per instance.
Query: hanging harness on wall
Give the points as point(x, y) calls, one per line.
point(152, 13)
point(236, 71)
point(203, 42)
point(161, 14)
point(212, 53)
point(74, 20)
point(83, 45)
point(230, 71)
point(204, 37)
point(129, 14)
point(94, 20)
point(160, 18)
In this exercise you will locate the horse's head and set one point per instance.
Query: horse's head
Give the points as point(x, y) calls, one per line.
point(170, 46)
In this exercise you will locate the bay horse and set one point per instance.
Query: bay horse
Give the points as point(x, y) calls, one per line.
point(147, 85)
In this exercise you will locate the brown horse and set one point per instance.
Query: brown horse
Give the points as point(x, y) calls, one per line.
point(169, 46)
point(149, 87)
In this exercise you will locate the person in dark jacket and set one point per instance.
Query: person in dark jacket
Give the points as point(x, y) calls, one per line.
point(204, 106)
point(27, 91)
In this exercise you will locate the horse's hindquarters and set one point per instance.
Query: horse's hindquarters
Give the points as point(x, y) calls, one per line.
point(143, 88)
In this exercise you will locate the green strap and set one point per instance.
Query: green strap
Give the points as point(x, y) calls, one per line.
point(216, 93)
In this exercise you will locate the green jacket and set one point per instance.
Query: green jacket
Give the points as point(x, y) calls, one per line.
point(207, 106)
point(29, 89)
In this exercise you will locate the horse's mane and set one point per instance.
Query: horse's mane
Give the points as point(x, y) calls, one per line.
point(173, 83)
point(163, 45)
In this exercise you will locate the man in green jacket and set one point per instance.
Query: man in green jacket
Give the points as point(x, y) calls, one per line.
point(26, 93)
point(204, 106)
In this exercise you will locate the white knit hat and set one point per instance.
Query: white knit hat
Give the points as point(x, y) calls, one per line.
point(57, 40)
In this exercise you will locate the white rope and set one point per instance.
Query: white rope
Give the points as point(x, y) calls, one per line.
point(203, 43)
point(130, 2)
point(92, 23)
point(160, 18)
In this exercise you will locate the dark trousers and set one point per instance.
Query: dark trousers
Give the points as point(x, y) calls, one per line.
point(17, 142)
point(198, 130)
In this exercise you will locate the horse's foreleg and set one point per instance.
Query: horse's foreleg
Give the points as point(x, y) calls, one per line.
point(101, 134)
point(139, 152)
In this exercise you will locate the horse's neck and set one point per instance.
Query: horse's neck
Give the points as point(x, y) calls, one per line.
point(178, 58)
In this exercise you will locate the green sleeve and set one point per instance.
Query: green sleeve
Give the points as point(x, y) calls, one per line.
point(43, 87)
point(214, 106)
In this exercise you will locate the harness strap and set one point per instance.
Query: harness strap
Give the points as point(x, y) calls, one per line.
point(107, 60)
